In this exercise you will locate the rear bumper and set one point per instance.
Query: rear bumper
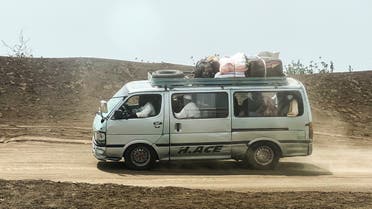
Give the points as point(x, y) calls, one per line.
point(310, 149)
point(297, 149)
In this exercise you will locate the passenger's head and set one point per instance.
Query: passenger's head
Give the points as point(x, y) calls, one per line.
point(142, 100)
point(187, 98)
point(284, 96)
point(290, 97)
point(257, 96)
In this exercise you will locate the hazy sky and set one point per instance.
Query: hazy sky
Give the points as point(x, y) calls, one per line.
point(173, 31)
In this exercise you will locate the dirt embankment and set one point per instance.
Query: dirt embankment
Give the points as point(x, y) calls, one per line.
point(64, 89)
point(59, 95)
point(47, 194)
point(346, 97)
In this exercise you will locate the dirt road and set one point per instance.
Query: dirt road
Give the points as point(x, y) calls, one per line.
point(337, 164)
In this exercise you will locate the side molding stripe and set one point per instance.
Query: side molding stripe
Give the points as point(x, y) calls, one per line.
point(258, 129)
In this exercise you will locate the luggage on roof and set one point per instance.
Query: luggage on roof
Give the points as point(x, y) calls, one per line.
point(235, 63)
point(207, 67)
point(264, 64)
point(170, 82)
point(230, 75)
point(265, 68)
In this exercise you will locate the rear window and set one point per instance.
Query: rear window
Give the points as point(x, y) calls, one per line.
point(268, 104)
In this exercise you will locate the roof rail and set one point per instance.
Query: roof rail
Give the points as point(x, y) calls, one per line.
point(237, 81)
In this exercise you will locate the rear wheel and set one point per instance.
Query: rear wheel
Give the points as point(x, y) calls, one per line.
point(263, 156)
point(139, 157)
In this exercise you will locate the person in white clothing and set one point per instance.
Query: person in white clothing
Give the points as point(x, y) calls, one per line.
point(293, 106)
point(146, 108)
point(145, 111)
point(287, 104)
point(190, 110)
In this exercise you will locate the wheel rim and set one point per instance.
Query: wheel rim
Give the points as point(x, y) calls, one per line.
point(140, 156)
point(264, 155)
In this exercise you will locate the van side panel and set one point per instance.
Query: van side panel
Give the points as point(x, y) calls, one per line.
point(289, 133)
point(162, 144)
point(291, 143)
point(200, 138)
point(123, 132)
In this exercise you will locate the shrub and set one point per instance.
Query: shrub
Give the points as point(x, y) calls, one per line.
point(20, 49)
point(295, 68)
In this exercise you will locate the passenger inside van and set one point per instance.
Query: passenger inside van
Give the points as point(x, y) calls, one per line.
point(190, 110)
point(251, 104)
point(267, 108)
point(287, 104)
point(293, 106)
point(177, 103)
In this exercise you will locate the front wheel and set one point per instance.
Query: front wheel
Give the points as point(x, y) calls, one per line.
point(263, 156)
point(139, 157)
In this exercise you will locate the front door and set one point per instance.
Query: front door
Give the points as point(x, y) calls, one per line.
point(200, 125)
point(142, 121)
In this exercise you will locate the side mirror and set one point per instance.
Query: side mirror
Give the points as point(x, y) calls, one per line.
point(103, 107)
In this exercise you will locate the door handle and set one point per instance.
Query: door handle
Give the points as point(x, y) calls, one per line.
point(157, 124)
point(178, 127)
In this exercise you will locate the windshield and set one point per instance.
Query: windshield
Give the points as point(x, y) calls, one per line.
point(112, 103)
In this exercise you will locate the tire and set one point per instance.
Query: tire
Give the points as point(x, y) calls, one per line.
point(168, 74)
point(263, 156)
point(139, 157)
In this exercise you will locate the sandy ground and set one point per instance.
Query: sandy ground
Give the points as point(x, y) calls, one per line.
point(39, 162)
point(338, 163)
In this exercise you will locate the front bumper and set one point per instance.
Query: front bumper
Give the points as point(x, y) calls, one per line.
point(105, 153)
point(98, 152)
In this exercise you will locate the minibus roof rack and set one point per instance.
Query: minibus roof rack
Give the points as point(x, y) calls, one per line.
point(233, 81)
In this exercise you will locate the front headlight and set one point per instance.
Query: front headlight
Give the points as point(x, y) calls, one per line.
point(100, 138)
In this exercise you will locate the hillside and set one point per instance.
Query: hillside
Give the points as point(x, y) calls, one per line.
point(341, 99)
point(67, 91)
point(64, 89)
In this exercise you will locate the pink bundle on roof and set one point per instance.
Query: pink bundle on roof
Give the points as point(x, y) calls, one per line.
point(226, 65)
point(235, 63)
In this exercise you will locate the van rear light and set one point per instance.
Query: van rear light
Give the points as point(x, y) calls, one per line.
point(311, 131)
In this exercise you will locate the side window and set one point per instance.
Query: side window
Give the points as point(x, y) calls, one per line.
point(268, 104)
point(200, 105)
point(140, 106)
point(133, 101)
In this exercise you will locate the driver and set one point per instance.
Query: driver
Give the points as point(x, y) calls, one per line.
point(146, 108)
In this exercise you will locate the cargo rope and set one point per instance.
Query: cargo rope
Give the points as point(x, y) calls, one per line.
point(264, 63)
